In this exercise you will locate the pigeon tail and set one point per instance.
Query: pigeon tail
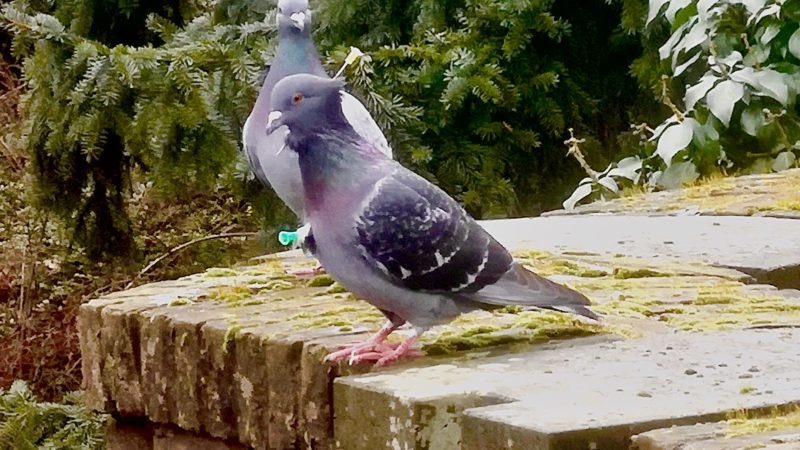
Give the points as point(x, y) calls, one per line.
point(521, 287)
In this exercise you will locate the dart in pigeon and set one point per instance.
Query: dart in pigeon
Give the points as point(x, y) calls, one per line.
point(273, 167)
point(391, 237)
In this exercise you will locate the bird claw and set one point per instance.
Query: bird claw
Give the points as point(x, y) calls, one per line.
point(380, 354)
point(307, 272)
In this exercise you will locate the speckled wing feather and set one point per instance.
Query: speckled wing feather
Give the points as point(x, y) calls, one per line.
point(421, 239)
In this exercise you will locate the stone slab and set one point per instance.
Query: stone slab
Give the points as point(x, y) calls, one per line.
point(715, 436)
point(766, 248)
point(237, 353)
point(582, 393)
point(771, 195)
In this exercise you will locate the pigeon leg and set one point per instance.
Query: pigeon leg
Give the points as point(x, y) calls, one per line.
point(372, 345)
point(404, 349)
point(388, 353)
point(307, 271)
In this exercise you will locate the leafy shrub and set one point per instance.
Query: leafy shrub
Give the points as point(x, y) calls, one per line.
point(729, 71)
point(479, 95)
point(26, 423)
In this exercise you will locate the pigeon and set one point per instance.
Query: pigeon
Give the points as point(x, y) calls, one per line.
point(295, 54)
point(390, 236)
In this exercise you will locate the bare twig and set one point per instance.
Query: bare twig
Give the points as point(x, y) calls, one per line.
point(668, 101)
point(184, 246)
point(575, 151)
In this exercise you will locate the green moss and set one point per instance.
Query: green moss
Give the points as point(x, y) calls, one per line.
point(230, 335)
point(713, 300)
point(321, 281)
point(253, 302)
point(763, 305)
point(218, 272)
point(450, 344)
point(278, 285)
point(530, 327)
point(747, 390)
point(624, 273)
point(591, 273)
point(483, 329)
point(335, 288)
point(627, 306)
point(783, 205)
point(231, 295)
point(301, 316)
point(743, 423)
point(345, 329)
point(180, 301)
point(532, 254)
point(510, 309)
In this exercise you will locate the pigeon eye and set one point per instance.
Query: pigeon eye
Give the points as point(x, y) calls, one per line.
point(297, 99)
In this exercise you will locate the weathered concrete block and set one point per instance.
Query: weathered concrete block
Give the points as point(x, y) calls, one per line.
point(747, 244)
point(578, 394)
point(237, 353)
point(715, 436)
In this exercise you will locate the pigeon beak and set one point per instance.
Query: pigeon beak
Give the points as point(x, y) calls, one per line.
point(299, 20)
point(274, 121)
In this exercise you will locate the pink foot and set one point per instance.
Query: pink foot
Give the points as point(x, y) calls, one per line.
point(307, 272)
point(380, 353)
point(375, 349)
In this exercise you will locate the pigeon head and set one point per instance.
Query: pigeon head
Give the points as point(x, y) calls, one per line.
point(293, 16)
point(304, 102)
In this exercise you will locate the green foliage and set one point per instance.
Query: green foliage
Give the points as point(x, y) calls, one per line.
point(740, 61)
point(729, 73)
point(26, 423)
point(133, 90)
point(478, 95)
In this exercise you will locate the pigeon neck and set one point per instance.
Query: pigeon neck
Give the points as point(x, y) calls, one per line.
point(333, 162)
point(297, 51)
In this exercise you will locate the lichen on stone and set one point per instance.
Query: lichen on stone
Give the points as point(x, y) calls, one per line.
point(219, 272)
point(526, 327)
point(181, 301)
point(624, 273)
point(322, 280)
point(743, 423)
point(230, 336)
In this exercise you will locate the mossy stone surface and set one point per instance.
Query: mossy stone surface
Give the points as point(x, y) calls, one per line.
point(771, 195)
point(771, 429)
point(238, 352)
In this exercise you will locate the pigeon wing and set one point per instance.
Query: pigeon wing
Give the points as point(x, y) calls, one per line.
point(421, 239)
point(363, 123)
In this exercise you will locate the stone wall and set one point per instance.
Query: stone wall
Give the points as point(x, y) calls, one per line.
point(233, 357)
